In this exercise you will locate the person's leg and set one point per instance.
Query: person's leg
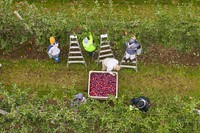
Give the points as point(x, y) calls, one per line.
point(127, 57)
point(132, 57)
point(91, 55)
point(56, 58)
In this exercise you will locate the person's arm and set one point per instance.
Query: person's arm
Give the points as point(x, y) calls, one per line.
point(72, 102)
point(90, 38)
point(134, 46)
point(50, 50)
point(126, 43)
point(109, 69)
point(131, 107)
point(132, 102)
point(56, 44)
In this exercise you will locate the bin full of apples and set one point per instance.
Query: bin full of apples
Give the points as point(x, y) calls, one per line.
point(101, 84)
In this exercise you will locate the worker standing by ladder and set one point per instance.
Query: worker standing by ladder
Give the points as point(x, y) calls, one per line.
point(89, 46)
point(131, 49)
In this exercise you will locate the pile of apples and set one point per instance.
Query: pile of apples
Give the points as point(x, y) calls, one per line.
point(102, 84)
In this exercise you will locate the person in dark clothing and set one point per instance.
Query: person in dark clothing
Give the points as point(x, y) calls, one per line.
point(142, 103)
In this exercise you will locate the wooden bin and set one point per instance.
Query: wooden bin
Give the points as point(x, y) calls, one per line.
point(104, 85)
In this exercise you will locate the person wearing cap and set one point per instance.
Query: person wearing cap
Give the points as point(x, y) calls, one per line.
point(89, 46)
point(109, 64)
point(142, 103)
point(131, 49)
point(53, 50)
point(77, 100)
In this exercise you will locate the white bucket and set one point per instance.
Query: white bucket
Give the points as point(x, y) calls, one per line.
point(139, 51)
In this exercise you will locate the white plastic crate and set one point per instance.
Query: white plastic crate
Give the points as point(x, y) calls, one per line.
point(101, 82)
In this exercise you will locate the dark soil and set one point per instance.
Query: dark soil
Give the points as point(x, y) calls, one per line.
point(167, 56)
point(155, 54)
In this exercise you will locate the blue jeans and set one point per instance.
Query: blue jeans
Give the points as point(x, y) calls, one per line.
point(90, 54)
point(56, 58)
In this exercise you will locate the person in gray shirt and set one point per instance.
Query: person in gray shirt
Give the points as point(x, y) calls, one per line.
point(131, 49)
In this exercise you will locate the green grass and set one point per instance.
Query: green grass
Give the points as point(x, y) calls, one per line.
point(154, 80)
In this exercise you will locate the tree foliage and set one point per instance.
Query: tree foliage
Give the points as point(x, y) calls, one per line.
point(178, 28)
point(29, 112)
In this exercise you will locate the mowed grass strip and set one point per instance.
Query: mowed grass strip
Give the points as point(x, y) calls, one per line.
point(154, 81)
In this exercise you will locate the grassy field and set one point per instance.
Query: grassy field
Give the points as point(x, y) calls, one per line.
point(154, 81)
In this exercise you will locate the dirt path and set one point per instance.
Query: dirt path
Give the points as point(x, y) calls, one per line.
point(155, 54)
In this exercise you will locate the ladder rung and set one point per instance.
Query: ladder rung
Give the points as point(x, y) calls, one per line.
point(104, 36)
point(127, 66)
point(105, 55)
point(75, 57)
point(103, 41)
point(73, 42)
point(108, 50)
point(131, 62)
point(105, 46)
point(74, 47)
point(74, 52)
point(76, 61)
point(73, 36)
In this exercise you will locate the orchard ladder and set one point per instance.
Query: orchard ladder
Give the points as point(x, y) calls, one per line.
point(128, 64)
point(132, 64)
point(105, 49)
point(75, 54)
